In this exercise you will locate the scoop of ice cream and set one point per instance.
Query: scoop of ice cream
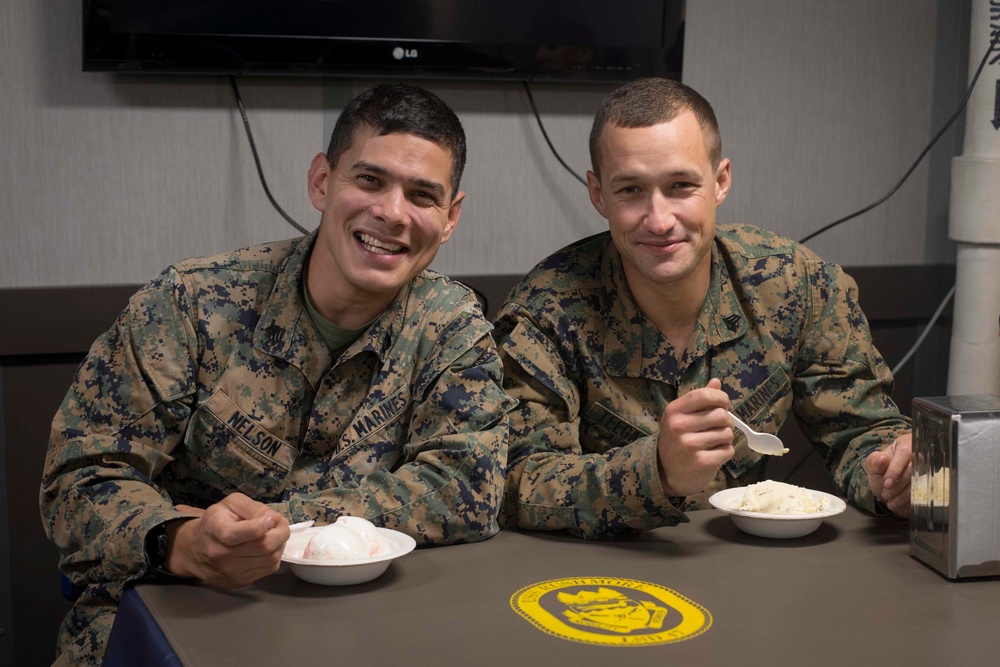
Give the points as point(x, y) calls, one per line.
point(368, 533)
point(335, 542)
point(772, 497)
point(349, 538)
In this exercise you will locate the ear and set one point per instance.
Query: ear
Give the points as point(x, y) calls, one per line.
point(723, 181)
point(454, 213)
point(594, 190)
point(319, 180)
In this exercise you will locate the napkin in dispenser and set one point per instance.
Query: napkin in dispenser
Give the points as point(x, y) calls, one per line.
point(955, 488)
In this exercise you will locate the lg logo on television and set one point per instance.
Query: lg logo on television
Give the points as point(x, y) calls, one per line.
point(399, 53)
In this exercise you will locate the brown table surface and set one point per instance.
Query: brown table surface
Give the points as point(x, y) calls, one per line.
point(849, 594)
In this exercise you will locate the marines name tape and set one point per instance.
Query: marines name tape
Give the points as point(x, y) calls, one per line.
point(610, 611)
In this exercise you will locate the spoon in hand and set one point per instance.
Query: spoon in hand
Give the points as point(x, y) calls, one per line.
point(762, 443)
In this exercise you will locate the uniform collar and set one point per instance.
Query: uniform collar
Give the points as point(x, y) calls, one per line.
point(286, 330)
point(633, 347)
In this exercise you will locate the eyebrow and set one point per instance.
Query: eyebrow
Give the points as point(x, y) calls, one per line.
point(424, 183)
point(677, 173)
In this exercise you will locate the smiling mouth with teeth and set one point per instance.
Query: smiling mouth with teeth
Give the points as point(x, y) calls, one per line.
point(372, 244)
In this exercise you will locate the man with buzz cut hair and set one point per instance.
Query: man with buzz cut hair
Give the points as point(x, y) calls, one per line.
point(626, 350)
point(308, 379)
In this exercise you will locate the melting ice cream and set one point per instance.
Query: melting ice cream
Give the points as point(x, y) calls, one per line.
point(349, 538)
point(772, 497)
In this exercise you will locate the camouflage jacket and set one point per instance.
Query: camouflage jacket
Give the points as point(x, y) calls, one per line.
point(779, 327)
point(214, 379)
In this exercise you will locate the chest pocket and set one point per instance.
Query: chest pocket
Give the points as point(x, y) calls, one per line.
point(763, 410)
point(235, 452)
point(601, 429)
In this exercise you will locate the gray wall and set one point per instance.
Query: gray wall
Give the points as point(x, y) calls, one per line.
point(823, 105)
point(105, 180)
point(109, 179)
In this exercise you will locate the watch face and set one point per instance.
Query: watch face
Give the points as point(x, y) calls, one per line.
point(156, 546)
point(161, 546)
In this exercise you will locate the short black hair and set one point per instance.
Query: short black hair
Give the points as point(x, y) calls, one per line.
point(648, 102)
point(394, 108)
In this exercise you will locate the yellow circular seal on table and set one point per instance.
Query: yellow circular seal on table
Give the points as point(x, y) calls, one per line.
point(610, 611)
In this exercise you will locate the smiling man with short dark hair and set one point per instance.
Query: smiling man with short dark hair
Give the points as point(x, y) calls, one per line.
point(300, 380)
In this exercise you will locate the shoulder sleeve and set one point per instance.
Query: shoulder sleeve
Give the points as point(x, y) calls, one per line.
point(842, 386)
point(124, 414)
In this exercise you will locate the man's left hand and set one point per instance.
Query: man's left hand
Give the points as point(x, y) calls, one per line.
point(889, 472)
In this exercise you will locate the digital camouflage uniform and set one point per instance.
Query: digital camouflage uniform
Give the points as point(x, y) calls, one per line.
point(779, 327)
point(215, 380)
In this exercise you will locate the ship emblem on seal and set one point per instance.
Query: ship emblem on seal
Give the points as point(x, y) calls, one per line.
point(610, 611)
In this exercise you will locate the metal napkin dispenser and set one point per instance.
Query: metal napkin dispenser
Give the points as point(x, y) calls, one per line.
point(955, 488)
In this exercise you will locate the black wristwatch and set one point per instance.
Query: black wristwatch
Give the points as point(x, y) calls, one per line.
point(157, 542)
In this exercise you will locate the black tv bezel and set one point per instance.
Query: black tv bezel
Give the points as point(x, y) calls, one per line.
point(215, 52)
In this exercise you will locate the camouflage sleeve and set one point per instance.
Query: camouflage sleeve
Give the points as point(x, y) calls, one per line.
point(842, 385)
point(552, 484)
point(111, 437)
point(448, 488)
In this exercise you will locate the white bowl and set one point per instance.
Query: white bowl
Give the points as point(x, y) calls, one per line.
point(781, 526)
point(343, 572)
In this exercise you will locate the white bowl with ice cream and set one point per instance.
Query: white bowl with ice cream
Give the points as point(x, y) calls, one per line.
point(777, 510)
point(350, 551)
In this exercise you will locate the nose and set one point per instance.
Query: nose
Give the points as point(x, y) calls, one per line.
point(660, 217)
point(391, 207)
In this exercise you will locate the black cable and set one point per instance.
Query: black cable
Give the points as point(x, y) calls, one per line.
point(531, 100)
point(256, 159)
point(927, 329)
point(909, 171)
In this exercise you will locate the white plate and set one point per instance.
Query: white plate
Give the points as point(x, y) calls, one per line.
point(779, 526)
point(344, 572)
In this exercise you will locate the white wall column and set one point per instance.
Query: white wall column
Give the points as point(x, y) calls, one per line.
point(974, 364)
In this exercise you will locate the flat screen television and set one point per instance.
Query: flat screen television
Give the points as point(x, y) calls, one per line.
point(533, 40)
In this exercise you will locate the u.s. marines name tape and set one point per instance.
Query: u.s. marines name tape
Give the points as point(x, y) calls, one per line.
point(610, 611)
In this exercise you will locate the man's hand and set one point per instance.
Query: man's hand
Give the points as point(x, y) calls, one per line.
point(889, 472)
point(695, 439)
point(230, 545)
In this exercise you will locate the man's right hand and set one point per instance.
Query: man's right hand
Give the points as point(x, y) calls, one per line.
point(230, 545)
point(696, 438)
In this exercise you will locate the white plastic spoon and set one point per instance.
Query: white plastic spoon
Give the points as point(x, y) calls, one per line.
point(763, 443)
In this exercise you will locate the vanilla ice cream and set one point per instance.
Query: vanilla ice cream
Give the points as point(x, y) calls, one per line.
point(772, 497)
point(349, 538)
